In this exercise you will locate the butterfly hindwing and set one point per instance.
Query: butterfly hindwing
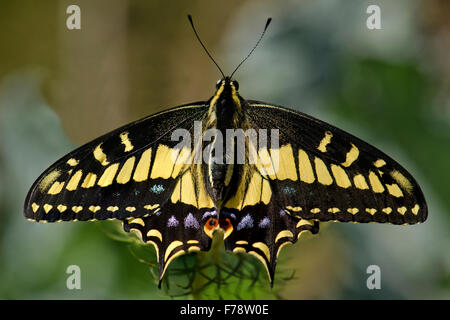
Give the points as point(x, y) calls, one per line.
point(128, 172)
point(174, 230)
point(327, 174)
point(262, 230)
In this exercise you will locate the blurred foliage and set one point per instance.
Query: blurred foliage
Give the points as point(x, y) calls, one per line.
point(61, 88)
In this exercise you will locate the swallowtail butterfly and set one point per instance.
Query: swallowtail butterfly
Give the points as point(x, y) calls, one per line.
point(140, 175)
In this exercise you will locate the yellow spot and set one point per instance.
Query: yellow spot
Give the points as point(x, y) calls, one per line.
point(56, 187)
point(371, 211)
point(302, 232)
point(137, 221)
point(351, 156)
point(237, 199)
point(281, 246)
point(295, 209)
point(172, 246)
point(61, 208)
point(125, 173)
point(340, 176)
point(126, 141)
point(315, 210)
point(100, 156)
point(266, 192)
point(154, 233)
point(323, 176)
point(283, 234)
point(34, 207)
point(241, 242)
point(49, 179)
point(334, 210)
point(73, 182)
point(163, 163)
point(143, 166)
point(260, 258)
point(325, 141)
point(375, 183)
point(77, 209)
point(176, 194)
point(137, 232)
point(112, 208)
point(194, 249)
point(72, 162)
point(304, 167)
point(253, 194)
point(47, 207)
point(415, 210)
point(179, 159)
point(192, 242)
point(379, 163)
point(303, 222)
point(394, 190)
point(176, 255)
point(387, 210)
point(156, 248)
point(204, 200)
point(108, 175)
point(284, 163)
point(130, 209)
point(402, 180)
point(151, 206)
point(239, 249)
point(401, 210)
point(188, 195)
point(94, 209)
point(89, 180)
point(264, 161)
point(263, 247)
point(360, 182)
point(353, 210)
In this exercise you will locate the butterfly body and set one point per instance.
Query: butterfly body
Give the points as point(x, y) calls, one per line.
point(225, 114)
point(263, 193)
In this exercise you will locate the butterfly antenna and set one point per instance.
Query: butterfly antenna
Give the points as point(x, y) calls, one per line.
point(257, 43)
point(206, 50)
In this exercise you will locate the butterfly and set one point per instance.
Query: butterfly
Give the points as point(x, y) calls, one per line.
point(263, 196)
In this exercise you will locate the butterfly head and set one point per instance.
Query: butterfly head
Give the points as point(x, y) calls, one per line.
point(226, 98)
point(227, 81)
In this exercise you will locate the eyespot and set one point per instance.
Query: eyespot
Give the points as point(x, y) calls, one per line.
point(227, 226)
point(212, 222)
point(218, 83)
point(236, 85)
point(225, 223)
point(210, 226)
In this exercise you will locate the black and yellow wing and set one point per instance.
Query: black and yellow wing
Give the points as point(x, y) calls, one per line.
point(317, 173)
point(135, 174)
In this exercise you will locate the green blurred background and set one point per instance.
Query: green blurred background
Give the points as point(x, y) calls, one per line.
point(61, 88)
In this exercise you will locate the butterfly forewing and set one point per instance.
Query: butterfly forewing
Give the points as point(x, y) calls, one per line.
point(327, 174)
point(128, 172)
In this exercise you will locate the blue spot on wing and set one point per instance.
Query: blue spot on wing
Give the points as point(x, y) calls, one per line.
point(245, 223)
point(289, 190)
point(157, 188)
